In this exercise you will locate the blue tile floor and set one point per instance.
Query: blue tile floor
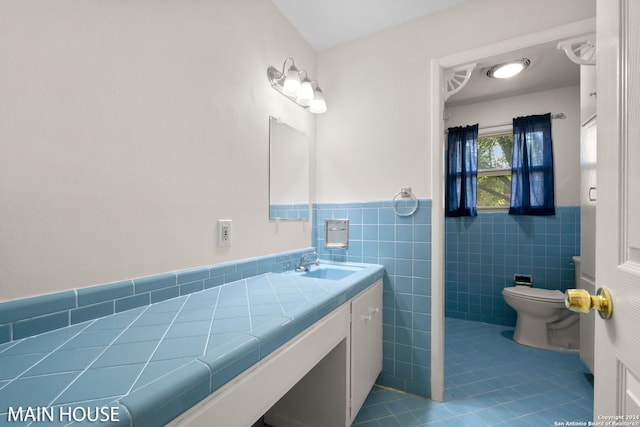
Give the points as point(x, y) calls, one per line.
point(490, 380)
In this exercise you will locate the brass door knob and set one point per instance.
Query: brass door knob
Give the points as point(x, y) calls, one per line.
point(579, 300)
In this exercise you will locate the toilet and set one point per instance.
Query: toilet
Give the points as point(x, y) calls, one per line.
point(542, 320)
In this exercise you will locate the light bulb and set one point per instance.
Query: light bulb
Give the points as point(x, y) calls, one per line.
point(305, 96)
point(318, 105)
point(509, 69)
point(292, 82)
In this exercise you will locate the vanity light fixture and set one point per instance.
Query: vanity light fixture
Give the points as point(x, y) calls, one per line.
point(508, 69)
point(301, 91)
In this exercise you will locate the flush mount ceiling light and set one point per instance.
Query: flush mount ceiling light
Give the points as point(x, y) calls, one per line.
point(301, 91)
point(508, 69)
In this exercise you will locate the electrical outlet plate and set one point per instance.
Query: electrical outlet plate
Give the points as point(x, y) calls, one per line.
point(224, 232)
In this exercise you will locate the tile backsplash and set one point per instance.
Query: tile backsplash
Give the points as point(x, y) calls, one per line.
point(484, 252)
point(31, 316)
point(403, 245)
point(289, 211)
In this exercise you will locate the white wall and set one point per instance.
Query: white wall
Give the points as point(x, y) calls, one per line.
point(127, 128)
point(565, 132)
point(374, 138)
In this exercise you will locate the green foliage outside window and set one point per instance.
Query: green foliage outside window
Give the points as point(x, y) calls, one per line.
point(494, 170)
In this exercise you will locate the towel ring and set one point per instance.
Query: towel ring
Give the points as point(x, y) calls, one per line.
point(404, 193)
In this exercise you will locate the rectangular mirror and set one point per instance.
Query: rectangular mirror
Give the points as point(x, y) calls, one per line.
point(288, 172)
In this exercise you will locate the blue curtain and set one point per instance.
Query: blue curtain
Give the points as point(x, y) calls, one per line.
point(532, 191)
point(462, 171)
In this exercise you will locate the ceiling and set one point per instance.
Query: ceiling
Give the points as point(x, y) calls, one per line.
point(550, 69)
point(328, 23)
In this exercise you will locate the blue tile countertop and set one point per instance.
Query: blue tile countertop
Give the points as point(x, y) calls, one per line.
point(146, 366)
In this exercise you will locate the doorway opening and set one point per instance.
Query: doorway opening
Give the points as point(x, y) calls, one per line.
point(439, 69)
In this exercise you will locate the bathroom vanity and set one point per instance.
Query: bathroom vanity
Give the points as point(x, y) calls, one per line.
point(296, 347)
point(321, 377)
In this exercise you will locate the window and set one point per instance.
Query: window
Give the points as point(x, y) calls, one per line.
point(494, 170)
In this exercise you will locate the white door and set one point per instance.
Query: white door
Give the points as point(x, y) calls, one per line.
point(617, 340)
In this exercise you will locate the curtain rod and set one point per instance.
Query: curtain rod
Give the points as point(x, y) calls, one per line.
point(558, 116)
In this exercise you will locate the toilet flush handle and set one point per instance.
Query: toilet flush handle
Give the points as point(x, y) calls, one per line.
point(579, 300)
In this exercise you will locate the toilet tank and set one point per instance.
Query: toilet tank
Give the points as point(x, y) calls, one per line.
point(587, 321)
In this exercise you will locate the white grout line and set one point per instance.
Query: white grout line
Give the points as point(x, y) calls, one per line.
point(44, 357)
point(101, 353)
point(246, 293)
point(213, 315)
point(276, 295)
point(13, 343)
point(160, 341)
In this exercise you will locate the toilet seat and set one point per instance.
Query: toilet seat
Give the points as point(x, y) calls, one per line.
point(535, 294)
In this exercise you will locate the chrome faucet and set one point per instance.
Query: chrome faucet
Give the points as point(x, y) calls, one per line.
point(306, 260)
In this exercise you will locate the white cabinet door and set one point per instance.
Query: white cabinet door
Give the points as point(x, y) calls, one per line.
point(366, 344)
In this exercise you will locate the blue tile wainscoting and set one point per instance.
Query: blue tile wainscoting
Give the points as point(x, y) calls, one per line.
point(403, 246)
point(31, 316)
point(289, 211)
point(484, 252)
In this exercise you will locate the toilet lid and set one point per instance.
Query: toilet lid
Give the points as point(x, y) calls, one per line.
point(537, 294)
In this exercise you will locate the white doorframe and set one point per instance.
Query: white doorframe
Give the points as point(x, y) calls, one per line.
point(438, 66)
